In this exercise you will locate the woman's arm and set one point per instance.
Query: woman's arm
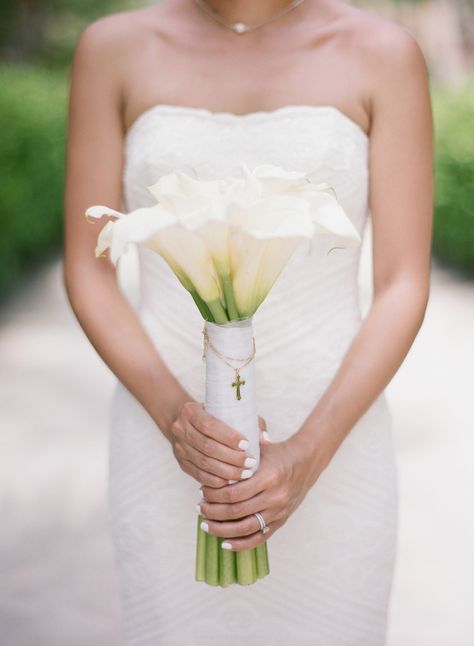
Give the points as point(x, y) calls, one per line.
point(94, 163)
point(206, 448)
point(401, 202)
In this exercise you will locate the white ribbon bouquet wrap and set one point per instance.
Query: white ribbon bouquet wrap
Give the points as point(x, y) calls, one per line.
point(227, 240)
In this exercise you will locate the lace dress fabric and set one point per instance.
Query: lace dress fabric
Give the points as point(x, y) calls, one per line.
point(331, 564)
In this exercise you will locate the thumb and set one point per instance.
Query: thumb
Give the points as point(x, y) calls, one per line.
point(264, 437)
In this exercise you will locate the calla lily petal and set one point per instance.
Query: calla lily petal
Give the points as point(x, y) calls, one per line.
point(104, 239)
point(275, 217)
point(329, 216)
point(190, 254)
point(100, 211)
point(138, 226)
point(276, 180)
point(179, 183)
point(257, 263)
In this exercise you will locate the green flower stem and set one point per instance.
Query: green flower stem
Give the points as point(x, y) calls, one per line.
point(200, 552)
point(231, 306)
point(261, 554)
point(212, 559)
point(227, 565)
point(217, 311)
point(219, 567)
point(202, 306)
point(246, 567)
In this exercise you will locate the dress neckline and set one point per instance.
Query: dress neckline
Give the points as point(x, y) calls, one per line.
point(229, 117)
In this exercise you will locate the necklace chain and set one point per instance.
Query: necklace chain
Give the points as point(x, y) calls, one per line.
point(238, 382)
point(226, 359)
point(241, 27)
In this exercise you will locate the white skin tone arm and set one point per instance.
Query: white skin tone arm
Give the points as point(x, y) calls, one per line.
point(401, 203)
point(93, 176)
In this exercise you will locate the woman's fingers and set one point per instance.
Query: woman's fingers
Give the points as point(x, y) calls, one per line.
point(217, 467)
point(215, 449)
point(242, 527)
point(236, 511)
point(252, 540)
point(243, 490)
point(209, 479)
point(212, 446)
point(213, 427)
point(244, 533)
point(264, 437)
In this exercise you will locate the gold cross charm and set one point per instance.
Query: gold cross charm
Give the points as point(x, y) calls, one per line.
point(237, 383)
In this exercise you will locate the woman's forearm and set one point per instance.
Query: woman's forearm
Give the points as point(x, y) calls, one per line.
point(117, 334)
point(370, 362)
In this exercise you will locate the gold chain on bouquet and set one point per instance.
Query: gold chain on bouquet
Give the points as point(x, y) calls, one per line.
point(238, 382)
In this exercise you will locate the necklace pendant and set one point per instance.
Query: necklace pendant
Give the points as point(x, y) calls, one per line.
point(237, 383)
point(239, 27)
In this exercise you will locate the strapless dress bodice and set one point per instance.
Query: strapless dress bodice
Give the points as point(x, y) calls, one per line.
point(313, 308)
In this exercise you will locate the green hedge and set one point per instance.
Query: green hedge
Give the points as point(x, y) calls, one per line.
point(33, 106)
point(453, 235)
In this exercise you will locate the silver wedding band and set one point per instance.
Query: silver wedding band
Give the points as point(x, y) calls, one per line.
point(263, 527)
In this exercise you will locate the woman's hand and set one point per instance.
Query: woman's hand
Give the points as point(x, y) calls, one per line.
point(286, 472)
point(209, 450)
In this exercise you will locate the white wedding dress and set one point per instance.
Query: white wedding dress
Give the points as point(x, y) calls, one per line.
point(331, 564)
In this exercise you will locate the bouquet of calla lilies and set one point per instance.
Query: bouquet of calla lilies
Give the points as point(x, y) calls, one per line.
point(227, 240)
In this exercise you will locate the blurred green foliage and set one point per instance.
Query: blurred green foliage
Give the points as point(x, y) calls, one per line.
point(33, 105)
point(453, 236)
point(45, 31)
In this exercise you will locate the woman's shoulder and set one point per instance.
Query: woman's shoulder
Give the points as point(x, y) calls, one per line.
point(108, 46)
point(380, 37)
point(112, 29)
point(115, 33)
point(373, 30)
point(386, 50)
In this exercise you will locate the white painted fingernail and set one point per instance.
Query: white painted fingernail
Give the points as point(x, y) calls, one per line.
point(250, 462)
point(226, 545)
point(198, 509)
point(232, 481)
point(266, 436)
point(246, 473)
point(244, 445)
point(205, 527)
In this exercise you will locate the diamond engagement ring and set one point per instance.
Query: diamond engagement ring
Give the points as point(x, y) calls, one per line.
point(264, 528)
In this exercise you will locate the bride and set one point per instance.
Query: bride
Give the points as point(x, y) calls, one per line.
point(198, 85)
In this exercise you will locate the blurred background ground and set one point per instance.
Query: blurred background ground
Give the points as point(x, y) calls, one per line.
point(58, 585)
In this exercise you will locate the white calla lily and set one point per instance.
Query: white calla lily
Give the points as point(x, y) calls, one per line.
point(328, 215)
point(227, 240)
point(160, 230)
point(258, 263)
point(137, 226)
point(200, 206)
point(267, 234)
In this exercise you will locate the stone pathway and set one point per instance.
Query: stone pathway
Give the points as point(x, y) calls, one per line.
point(58, 585)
